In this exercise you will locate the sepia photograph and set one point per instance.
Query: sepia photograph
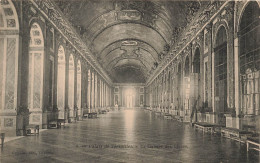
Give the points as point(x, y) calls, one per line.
point(130, 81)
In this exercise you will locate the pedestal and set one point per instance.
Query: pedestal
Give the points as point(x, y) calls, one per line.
point(182, 113)
point(46, 116)
point(22, 120)
point(230, 121)
point(79, 115)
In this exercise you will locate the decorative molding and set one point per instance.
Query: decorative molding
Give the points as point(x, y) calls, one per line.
point(55, 16)
point(196, 26)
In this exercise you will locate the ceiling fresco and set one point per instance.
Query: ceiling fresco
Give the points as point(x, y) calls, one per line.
point(127, 37)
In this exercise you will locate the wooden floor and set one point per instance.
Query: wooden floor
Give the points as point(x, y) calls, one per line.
point(125, 136)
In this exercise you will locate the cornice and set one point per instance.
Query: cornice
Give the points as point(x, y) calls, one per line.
point(59, 21)
point(193, 30)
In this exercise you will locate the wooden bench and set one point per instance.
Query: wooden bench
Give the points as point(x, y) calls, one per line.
point(103, 111)
point(235, 134)
point(90, 115)
point(32, 129)
point(61, 122)
point(53, 125)
point(253, 141)
point(250, 128)
point(85, 115)
point(179, 118)
point(167, 116)
point(56, 124)
point(205, 127)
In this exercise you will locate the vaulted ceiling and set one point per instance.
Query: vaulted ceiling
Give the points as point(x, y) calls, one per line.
point(128, 37)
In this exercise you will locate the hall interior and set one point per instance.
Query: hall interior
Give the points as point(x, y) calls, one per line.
point(190, 63)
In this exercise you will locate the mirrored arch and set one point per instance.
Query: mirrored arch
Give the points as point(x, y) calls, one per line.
point(220, 72)
point(249, 58)
point(79, 87)
point(61, 74)
point(71, 86)
point(36, 67)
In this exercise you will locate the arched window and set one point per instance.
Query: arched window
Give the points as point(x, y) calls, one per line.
point(186, 84)
point(179, 86)
point(196, 70)
point(165, 81)
point(179, 75)
point(196, 61)
point(71, 83)
point(101, 93)
point(169, 81)
point(93, 90)
point(96, 91)
point(172, 84)
point(1, 19)
point(106, 95)
point(61, 82)
point(249, 55)
point(36, 65)
point(157, 92)
point(8, 16)
point(220, 69)
point(79, 85)
point(161, 89)
point(187, 67)
point(9, 57)
point(89, 88)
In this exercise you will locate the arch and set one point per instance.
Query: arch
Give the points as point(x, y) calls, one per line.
point(71, 85)
point(141, 32)
point(2, 22)
point(79, 87)
point(101, 94)
point(121, 60)
point(96, 90)
point(187, 67)
point(135, 23)
point(89, 89)
point(98, 31)
point(36, 36)
point(169, 80)
point(249, 57)
point(61, 76)
point(186, 84)
point(221, 35)
point(36, 67)
point(8, 16)
point(245, 5)
point(164, 82)
point(196, 61)
point(220, 71)
point(9, 57)
point(92, 90)
point(179, 67)
point(222, 27)
point(129, 74)
point(173, 73)
point(179, 83)
point(249, 38)
point(10, 74)
point(149, 47)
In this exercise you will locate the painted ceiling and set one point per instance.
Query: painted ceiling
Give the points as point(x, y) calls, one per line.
point(129, 38)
